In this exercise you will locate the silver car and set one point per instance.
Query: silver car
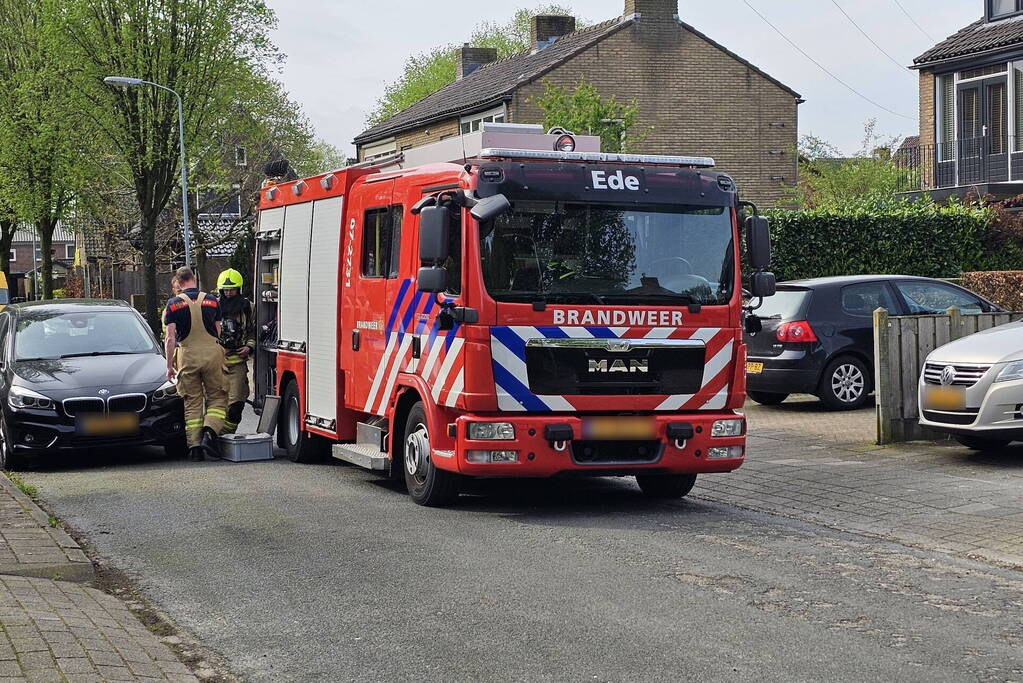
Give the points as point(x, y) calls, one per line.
point(972, 388)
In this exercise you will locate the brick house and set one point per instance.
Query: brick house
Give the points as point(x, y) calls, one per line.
point(26, 255)
point(695, 95)
point(971, 107)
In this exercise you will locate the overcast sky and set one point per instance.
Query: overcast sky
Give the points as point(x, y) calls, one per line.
point(342, 52)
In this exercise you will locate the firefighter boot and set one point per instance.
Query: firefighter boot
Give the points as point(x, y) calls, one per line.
point(195, 454)
point(237, 371)
point(209, 443)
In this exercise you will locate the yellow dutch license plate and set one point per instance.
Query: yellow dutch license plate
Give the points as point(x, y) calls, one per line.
point(615, 428)
point(115, 424)
point(944, 398)
point(754, 368)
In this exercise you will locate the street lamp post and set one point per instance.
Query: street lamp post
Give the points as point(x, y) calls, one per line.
point(134, 82)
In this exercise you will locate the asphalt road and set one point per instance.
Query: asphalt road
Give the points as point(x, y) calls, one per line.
point(325, 572)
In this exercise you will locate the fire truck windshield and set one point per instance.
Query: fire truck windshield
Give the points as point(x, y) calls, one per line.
point(599, 253)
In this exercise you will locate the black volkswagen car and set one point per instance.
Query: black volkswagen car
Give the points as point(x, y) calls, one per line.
point(818, 335)
point(78, 374)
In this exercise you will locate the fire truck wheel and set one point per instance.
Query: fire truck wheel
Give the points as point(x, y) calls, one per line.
point(427, 485)
point(665, 485)
point(300, 446)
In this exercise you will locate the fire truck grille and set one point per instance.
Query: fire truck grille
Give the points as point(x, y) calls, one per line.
point(570, 371)
point(615, 452)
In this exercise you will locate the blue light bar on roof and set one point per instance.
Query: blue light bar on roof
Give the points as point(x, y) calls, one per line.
point(596, 157)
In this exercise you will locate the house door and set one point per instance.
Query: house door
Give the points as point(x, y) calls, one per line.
point(983, 131)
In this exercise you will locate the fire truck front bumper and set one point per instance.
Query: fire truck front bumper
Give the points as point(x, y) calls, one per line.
point(549, 445)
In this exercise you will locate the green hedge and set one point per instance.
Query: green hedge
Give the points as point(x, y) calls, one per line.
point(885, 236)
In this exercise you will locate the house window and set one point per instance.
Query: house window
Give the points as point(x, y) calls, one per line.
point(376, 150)
point(69, 252)
point(1002, 8)
point(1017, 106)
point(982, 71)
point(946, 117)
point(12, 255)
point(241, 157)
point(381, 242)
point(473, 122)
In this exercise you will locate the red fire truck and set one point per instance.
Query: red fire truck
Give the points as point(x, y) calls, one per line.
point(509, 303)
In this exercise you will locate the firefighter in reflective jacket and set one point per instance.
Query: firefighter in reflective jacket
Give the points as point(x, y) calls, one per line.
point(193, 320)
point(237, 338)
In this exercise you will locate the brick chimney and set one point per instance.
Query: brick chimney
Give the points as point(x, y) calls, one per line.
point(472, 58)
point(544, 29)
point(652, 9)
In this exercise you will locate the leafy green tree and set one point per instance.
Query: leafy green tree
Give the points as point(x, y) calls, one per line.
point(428, 72)
point(43, 135)
point(201, 49)
point(828, 179)
point(584, 110)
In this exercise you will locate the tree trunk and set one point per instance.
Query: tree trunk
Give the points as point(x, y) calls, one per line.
point(152, 311)
point(46, 227)
point(7, 230)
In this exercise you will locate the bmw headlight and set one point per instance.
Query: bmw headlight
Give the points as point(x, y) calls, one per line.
point(1011, 372)
point(20, 397)
point(168, 389)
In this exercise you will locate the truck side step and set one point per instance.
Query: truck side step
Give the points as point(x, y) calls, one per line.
point(364, 455)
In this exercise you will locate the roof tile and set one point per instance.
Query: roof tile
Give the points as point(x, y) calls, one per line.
point(978, 37)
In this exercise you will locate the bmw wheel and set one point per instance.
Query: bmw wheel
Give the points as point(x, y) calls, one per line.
point(846, 384)
point(8, 461)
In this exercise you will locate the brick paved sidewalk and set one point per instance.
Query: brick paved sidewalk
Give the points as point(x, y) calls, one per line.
point(63, 631)
point(29, 546)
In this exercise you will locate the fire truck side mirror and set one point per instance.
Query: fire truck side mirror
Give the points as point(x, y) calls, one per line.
point(758, 242)
point(489, 208)
point(432, 279)
point(762, 284)
point(434, 229)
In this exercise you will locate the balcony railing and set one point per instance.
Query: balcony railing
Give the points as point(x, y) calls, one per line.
point(972, 161)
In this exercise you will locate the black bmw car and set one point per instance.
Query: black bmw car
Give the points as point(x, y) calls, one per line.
point(78, 374)
point(818, 335)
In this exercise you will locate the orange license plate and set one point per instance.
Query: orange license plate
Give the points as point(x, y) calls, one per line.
point(754, 368)
point(619, 428)
point(944, 398)
point(116, 424)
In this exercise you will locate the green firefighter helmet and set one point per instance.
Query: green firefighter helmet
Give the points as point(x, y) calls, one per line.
point(230, 279)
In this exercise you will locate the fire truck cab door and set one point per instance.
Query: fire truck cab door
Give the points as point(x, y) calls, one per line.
point(373, 297)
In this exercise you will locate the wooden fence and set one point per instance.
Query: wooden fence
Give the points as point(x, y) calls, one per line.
point(901, 345)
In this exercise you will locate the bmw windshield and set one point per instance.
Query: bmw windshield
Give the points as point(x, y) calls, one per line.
point(563, 252)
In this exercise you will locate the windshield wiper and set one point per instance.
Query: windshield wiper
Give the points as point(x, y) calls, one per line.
point(97, 353)
point(658, 296)
point(547, 298)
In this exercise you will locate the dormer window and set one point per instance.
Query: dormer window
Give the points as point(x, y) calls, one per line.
point(998, 9)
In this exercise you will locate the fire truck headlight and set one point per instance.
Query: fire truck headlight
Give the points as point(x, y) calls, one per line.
point(491, 431)
point(727, 428)
point(724, 452)
point(486, 457)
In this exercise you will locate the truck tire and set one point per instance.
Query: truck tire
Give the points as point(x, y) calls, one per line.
point(766, 399)
point(427, 484)
point(979, 443)
point(846, 384)
point(666, 485)
point(300, 446)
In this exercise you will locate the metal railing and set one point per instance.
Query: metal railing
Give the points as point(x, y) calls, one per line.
point(971, 161)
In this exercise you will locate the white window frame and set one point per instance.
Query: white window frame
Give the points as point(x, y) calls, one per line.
point(479, 118)
point(13, 256)
point(66, 248)
point(378, 149)
point(241, 156)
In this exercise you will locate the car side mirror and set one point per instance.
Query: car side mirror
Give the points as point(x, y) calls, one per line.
point(434, 229)
point(758, 242)
point(762, 284)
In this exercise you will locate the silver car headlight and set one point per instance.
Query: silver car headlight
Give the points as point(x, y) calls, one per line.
point(168, 389)
point(20, 397)
point(1010, 372)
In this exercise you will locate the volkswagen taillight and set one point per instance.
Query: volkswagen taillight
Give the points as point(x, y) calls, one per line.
point(798, 331)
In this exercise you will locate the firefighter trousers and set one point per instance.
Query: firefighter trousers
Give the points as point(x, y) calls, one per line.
point(237, 369)
point(202, 384)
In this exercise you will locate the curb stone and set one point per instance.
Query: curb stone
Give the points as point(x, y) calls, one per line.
point(76, 566)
